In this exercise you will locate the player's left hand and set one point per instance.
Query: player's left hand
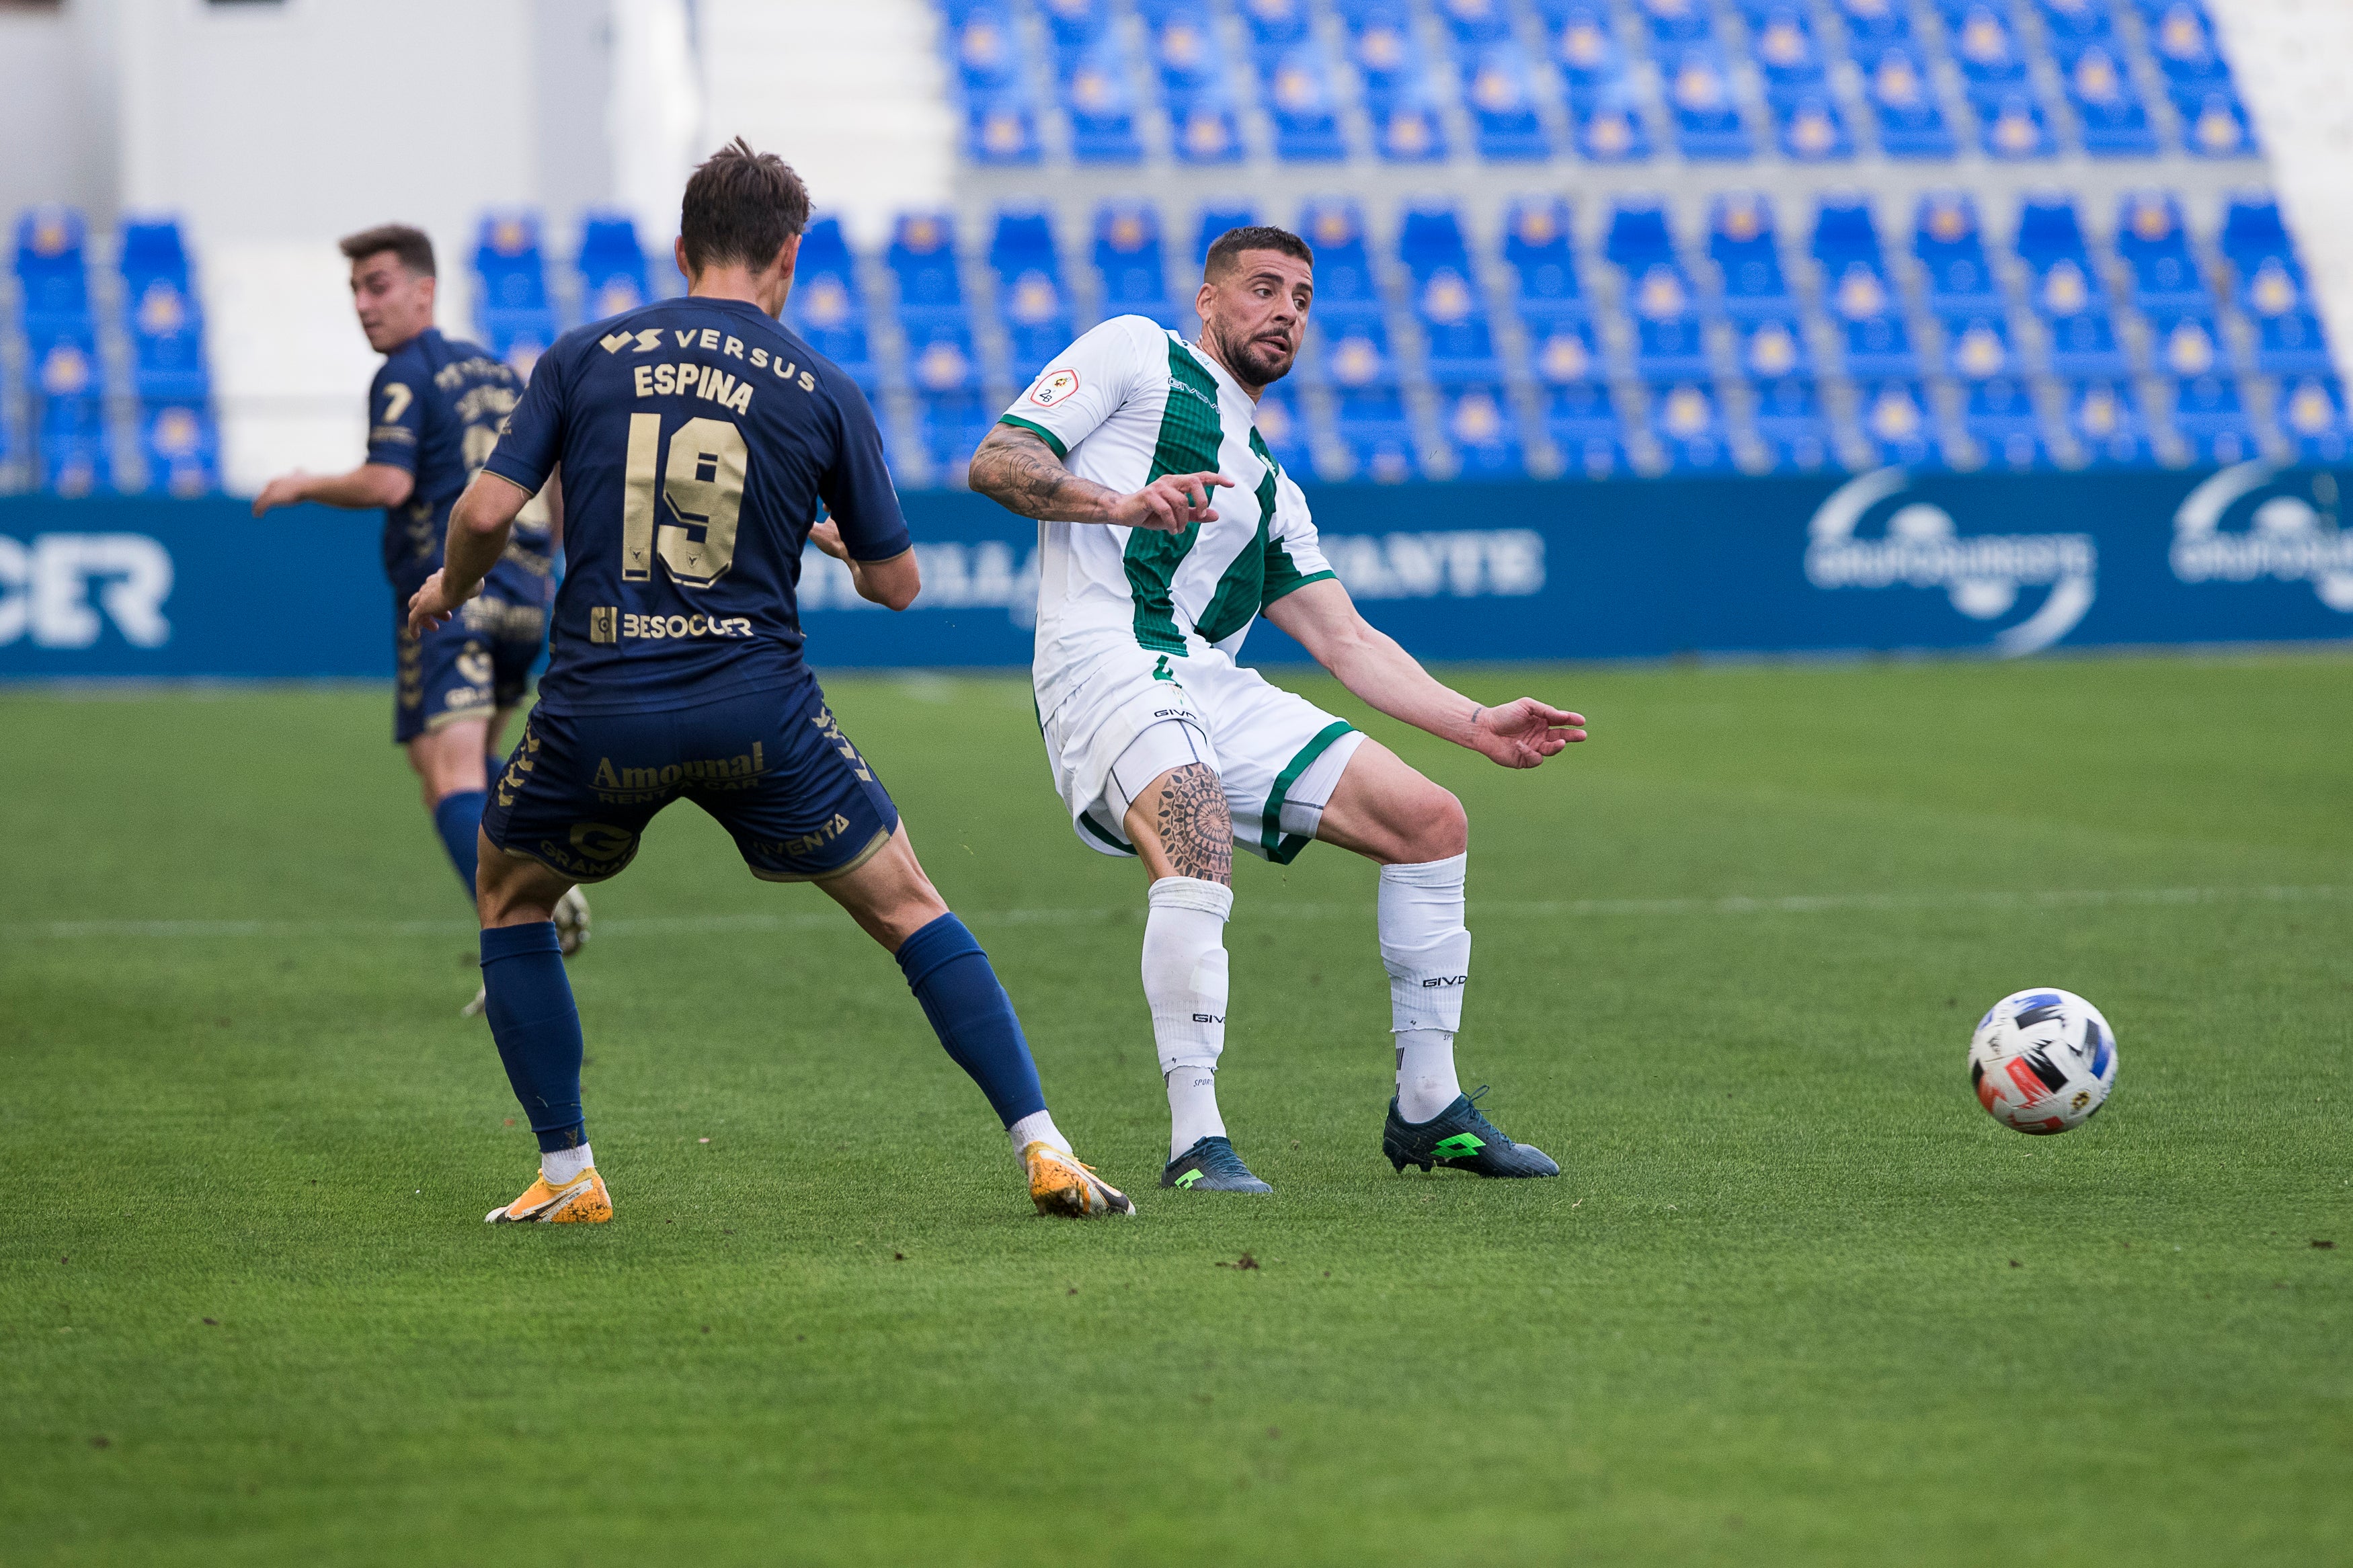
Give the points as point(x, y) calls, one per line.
point(1521, 734)
point(431, 604)
point(286, 489)
point(827, 536)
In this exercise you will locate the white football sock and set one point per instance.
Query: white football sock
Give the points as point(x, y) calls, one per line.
point(1184, 983)
point(562, 1165)
point(1037, 1127)
point(1192, 1107)
point(1427, 950)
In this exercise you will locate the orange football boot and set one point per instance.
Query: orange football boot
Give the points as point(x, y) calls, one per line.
point(1060, 1184)
point(581, 1201)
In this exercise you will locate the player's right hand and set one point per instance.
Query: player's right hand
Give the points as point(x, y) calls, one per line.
point(431, 605)
point(286, 489)
point(1169, 504)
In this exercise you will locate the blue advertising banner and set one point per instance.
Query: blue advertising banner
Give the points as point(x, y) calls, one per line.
point(1997, 563)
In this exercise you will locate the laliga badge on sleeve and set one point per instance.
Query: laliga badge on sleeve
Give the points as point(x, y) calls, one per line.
point(1053, 387)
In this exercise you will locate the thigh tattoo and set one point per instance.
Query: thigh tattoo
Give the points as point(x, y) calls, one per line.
point(1196, 829)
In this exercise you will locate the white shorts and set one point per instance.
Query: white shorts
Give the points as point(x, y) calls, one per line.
point(1139, 714)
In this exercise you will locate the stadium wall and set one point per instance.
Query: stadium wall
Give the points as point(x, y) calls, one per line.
point(1886, 560)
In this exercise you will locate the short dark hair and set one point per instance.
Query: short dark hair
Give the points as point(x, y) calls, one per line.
point(741, 206)
point(1226, 253)
point(412, 245)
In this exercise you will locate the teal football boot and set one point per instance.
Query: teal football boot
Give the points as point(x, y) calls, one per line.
point(1210, 1165)
point(1461, 1140)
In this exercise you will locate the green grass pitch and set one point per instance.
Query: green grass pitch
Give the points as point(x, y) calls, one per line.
point(1797, 1299)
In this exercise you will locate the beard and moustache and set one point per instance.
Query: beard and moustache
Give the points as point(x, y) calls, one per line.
point(1253, 363)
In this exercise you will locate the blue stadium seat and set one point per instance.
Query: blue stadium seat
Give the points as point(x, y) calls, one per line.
point(1541, 255)
point(1032, 298)
point(1128, 259)
point(2064, 289)
point(1677, 21)
point(1401, 94)
point(1476, 22)
point(1781, 40)
point(922, 260)
point(1947, 240)
point(52, 266)
point(1099, 103)
point(1296, 89)
point(75, 461)
point(2312, 415)
point(986, 49)
point(1478, 421)
point(1857, 292)
point(517, 321)
point(1875, 21)
point(2000, 415)
point(1688, 423)
point(1347, 288)
point(1811, 128)
point(612, 265)
point(2108, 106)
point(1215, 222)
point(2210, 416)
point(2105, 418)
point(1911, 124)
point(1375, 436)
point(182, 448)
point(163, 320)
point(1774, 348)
point(940, 359)
point(1985, 47)
point(1354, 356)
point(2254, 230)
point(66, 378)
point(1561, 352)
point(2289, 335)
point(2012, 125)
point(1610, 128)
point(1502, 106)
point(2183, 42)
point(1790, 424)
point(1073, 26)
point(2186, 344)
point(1898, 424)
point(1639, 237)
point(1603, 96)
point(1275, 27)
point(1742, 243)
point(1579, 420)
point(952, 426)
point(828, 307)
point(1203, 126)
point(1284, 429)
point(1699, 99)
point(1446, 301)
point(2070, 21)
point(1659, 296)
point(2214, 123)
point(2155, 246)
point(1002, 129)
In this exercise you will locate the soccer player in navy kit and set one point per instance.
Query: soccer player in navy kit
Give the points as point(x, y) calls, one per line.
point(699, 441)
point(434, 413)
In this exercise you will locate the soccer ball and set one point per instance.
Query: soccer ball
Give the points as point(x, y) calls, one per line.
point(2042, 1061)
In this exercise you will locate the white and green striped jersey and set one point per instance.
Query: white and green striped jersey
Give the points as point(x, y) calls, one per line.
point(1123, 405)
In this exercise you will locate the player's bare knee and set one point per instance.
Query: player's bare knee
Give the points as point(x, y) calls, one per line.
point(1436, 827)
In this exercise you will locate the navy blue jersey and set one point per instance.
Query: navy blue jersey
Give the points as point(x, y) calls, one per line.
point(699, 441)
point(435, 409)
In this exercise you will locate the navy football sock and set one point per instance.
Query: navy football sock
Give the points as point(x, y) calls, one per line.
point(973, 1018)
point(537, 1029)
point(458, 817)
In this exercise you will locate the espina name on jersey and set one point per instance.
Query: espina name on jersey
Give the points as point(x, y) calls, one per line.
point(699, 440)
point(1126, 405)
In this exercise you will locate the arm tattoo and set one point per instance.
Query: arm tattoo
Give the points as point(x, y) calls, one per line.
point(1197, 832)
point(1021, 473)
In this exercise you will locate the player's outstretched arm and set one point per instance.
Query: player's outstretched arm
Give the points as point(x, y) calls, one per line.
point(1017, 470)
point(1368, 661)
point(369, 485)
point(891, 583)
point(479, 525)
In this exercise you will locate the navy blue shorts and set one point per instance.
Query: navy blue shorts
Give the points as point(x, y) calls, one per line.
point(773, 767)
point(476, 664)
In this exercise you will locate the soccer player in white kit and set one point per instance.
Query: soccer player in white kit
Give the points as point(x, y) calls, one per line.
point(1164, 748)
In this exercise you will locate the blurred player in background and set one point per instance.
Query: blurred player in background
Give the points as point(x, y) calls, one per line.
point(1164, 748)
point(700, 440)
point(434, 413)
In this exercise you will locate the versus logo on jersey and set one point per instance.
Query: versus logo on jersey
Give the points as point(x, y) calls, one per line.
point(1053, 387)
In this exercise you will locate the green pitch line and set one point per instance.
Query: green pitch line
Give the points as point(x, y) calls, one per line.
point(1795, 1299)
